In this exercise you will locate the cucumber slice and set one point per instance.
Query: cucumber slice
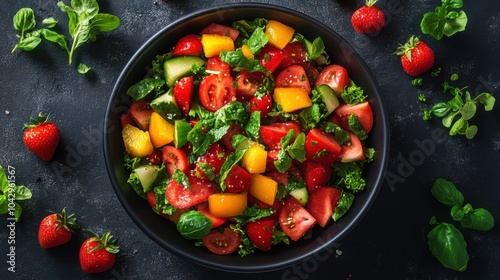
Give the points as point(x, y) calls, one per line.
point(181, 130)
point(301, 195)
point(166, 106)
point(147, 175)
point(329, 97)
point(178, 67)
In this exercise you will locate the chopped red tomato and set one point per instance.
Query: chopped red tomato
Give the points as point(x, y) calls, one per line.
point(183, 93)
point(222, 243)
point(141, 112)
point(293, 76)
point(222, 30)
point(216, 91)
point(174, 158)
point(294, 219)
point(272, 134)
point(213, 159)
point(352, 151)
point(322, 203)
point(362, 110)
point(315, 174)
point(321, 147)
point(335, 76)
point(262, 104)
point(238, 180)
point(270, 57)
point(261, 233)
point(295, 54)
point(248, 83)
point(188, 45)
point(217, 66)
point(182, 197)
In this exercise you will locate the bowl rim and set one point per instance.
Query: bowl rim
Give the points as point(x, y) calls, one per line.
point(373, 192)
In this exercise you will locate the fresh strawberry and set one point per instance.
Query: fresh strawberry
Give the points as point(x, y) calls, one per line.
point(97, 254)
point(56, 229)
point(416, 56)
point(368, 19)
point(41, 136)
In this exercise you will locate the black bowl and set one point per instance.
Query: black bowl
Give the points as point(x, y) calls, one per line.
point(164, 232)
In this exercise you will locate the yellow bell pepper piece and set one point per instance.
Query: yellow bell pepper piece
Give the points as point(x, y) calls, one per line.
point(292, 99)
point(246, 51)
point(254, 160)
point(213, 44)
point(227, 204)
point(263, 188)
point(279, 33)
point(137, 142)
point(160, 130)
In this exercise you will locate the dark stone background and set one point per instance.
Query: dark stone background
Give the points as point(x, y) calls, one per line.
point(389, 243)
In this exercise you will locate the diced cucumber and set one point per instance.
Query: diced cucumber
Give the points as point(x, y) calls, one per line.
point(301, 195)
point(181, 130)
point(147, 175)
point(178, 67)
point(166, 106)
point(329, 98)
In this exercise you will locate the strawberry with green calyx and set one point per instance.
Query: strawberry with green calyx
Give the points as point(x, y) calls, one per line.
point(56, 229)
point(41, 136)
point(416, 56)
point(97, 254)
point(368, 18)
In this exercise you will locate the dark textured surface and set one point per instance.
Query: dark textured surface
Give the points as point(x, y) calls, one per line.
point(389, 243)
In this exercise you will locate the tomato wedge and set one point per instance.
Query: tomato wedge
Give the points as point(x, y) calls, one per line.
point(238, 180)
point(272, 134)
point(322, 203)
point(352, 151)
point(174, 158)
point(335, 76)
point(261, 233)
point(141, 112)
point(183, 93)
point(293, 76)
point(263, 104)
point(222, 243)
point(182, 197)
point(295, 54)
point(315, 174)
point(362, 110)
point(216, 91)
point(294, 219)
point(270, 57)
point(216, 65)
point(321, 147)
point(248, 83)
point(188, 45)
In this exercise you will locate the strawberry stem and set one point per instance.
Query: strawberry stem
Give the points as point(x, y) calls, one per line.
point(370, 3)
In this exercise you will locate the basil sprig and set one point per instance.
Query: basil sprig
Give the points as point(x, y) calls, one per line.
point(445, 241)
point(445, 20)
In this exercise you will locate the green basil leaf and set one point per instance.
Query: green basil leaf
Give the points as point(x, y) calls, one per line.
point(459, 127)
point(448, 246)
point(29, 43)
point(72, 17)
point(297, 150)
point(440, 109)
point(283, 162)
point(144, 87)
point(446, 193)
point(353, 94)
point(238, 60)
point(81, 33)
point(4, 204)
point(468, 110)
point(433, 25)
point(24, 20)
point(55, 37)
point(88, 7)
point(83, 69)
point(478, 219)
point(471, 132)
point(181, 178)
point(356, 128)
point(448, 120)
point(49, 22)
point(22, 193)
point(103, 23)
point(4, 183)
point(253, 126)
point(345, 203)
point(454, 4)
point(231, 160)
point(194, 225)
point(487, 100)
point(455, 24)
point(457, 213)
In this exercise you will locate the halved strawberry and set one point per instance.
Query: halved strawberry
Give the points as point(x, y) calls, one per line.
point(322, 203)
